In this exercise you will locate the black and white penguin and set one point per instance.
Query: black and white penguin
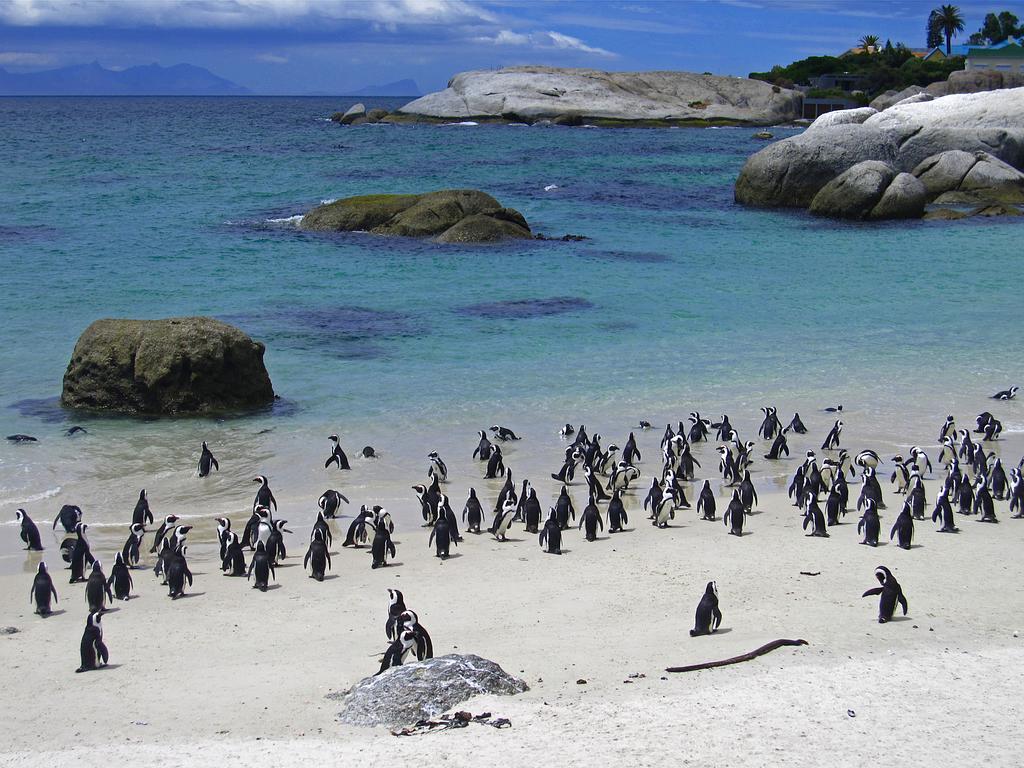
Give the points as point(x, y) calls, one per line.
point(674, 488)
point(381, 547)
point(590, 519)
point(1016, 494)
point(870, 489)
point(770, 425)
point(900, 475)
point(337, 454)
point(919, 459)
point(317, 555)
point(532, 512)
point(834, 506)
point(264, 496)
point(653, 498)
point(916, 497)
point(321, 526)
point(165, 527)
point(734, 514)
point(698, 432)
point(944, 511)
point(423, 646)
point(472, 512)
point(567, 431)
point(132, 545)
point(891, 593)
point(483, 448)
point(503, 519)
point(207, 461)
point(29, 531)
point(81, 555)
point(169, 550)
point(983, 505)
point(796, 486)
point(644, 424)
point(630, 453)
point(870, 524)
point(832, 439)
point(965, 498)
point(706, 506)
point(564, 509)
point(797, 425)
point(779, 446)
point(357, 528)
point(264, 529)
point(867, 458)
point(596, 490)
point(903, 528)
point(551, 534)
point(330, 502)
point(437, 467)
point(1006, 394)
point(948, 429)
point(747, 493)
point(275, 542)
point(724, 428)
point(708, 617)
point(93, 650)
point(727, 466)
point(69, 517)
point(398, 651)
point(441, 538)
point(233, 562)
point(42, 590)
point(997, 481)
point(263, 568)
point(120, 581)
point(396, 607)
point(504, 433)
point(617, 517)
point(813, 516)
point(97, 591)
point(495, 464)
point(142, 513)
point(947, 453)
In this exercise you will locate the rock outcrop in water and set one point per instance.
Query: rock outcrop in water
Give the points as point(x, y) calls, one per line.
point(412, 692)
point(450, 216)
point(178, 365)
point(577, 96)
point(790, 173)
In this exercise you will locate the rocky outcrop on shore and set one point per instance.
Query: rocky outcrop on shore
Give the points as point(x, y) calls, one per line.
point(986, 128)
point(177, 365)
point(449, 216)
point(576, 96)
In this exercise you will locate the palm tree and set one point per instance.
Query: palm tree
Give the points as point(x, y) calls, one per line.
point(948, 20)
point(869, 43)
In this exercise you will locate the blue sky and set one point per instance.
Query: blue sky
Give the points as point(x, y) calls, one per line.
point(301, 46)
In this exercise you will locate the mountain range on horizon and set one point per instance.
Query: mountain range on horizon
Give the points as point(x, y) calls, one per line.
point(95, 80)
point(405, 87)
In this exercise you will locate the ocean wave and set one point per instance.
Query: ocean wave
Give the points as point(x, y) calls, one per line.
point(464, 122)
point(42, 496)
point(328, 201)
point(294, 220)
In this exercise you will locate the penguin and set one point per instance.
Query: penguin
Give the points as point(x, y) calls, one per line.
point(617, 517)
point(867, 458)
point(263, 568)
point(567, 430)
point(264, 496)
point(918, 458)
point(398, 651)
point(948, 429)
point(428, 504)
point(916, 497)
point(1016, 494)
point(797, 425)
point(423, 646)
point(69, 517)
point(706, 502)
point(992, 429)
point(664, 512)
point(727, 466)
point(207, 461)
point(947, 454)
point(321, 525)
point(503, 519)
point(698, 432)
point(275, 542)
point(93, 650)
point(833, 409)
point(564, 509)
point(357, 528)
point(263, 529)
point(441, 534)
point(473, 512)
point(814, 517)
point(437, 468)
point(644, 424)
point(630, 454)
point(997, 481)
point(396, 607)
point(97, 591)
point(747, 493)
point(81, 555)
point(834, 504)
point(944, 511)
point(169, 550)
point(891, 593)
point(42, 590)
point(686, 463)
point(983, 502)
point(337, 455)
point(162, 531)
point(870, 489)
point(551, 534)
point(653, 498)
point(595, 487)
point(673, 487)
point(504, 433)
point(591, 518)
point(67, 549)
point(779, 446)
point(233, 562)
point(22, 439)
point(130, 551)
point(330, 502)
point(832, 439)
point(734, 514)
point(142, 513)
point(381, 547)
point(318, 555)
point(903, 528)
point(869, 524)
point(495, 465)
point(1006, 394)
point(29, 531)
point(120, 580)
point(76, 430)
point(724, 428)
point(812, 477)
point(483, 448)
point(709, 617)
point(965, 499)
point(531, 512)
point(369, 453)
point(796, 486)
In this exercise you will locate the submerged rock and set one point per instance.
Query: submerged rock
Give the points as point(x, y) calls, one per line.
point(352, 114)
point(412, 692)
point(452, 215)
point(178, 365)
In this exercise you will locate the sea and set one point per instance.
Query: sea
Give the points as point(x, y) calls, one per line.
point(677, 300)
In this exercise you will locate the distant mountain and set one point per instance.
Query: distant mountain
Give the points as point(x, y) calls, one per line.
point(94, 80)
point(397, 88)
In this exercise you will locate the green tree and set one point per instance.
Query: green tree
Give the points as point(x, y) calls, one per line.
point(934, 39)
point(869, 43)
point(948, 21)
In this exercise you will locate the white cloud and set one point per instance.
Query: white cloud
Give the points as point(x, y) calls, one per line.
point(507, 37)
point(574, 43)
point(272, 58)
point(545, 41)
point(26, 59)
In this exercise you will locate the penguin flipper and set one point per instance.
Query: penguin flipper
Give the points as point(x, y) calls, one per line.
point(903, 602)
point(872, 591)
point(716, 618)
point(101, 652)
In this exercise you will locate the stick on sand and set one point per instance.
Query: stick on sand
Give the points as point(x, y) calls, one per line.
point(768, 648)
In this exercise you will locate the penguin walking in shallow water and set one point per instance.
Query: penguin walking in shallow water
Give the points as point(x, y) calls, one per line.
point(42, 590)
point(591, 520)
point(706, 506)
point(207, 461)
point(903, 528)
point(944, 511)
point(495, 465)
point(337, 454)
point(797, 426)
point(504, 433)
point(29, 531)
point(318, 556)
point(709, 616)
point(779, 447)
point(97, 591)
point(93, 651)
point(130, 551)
point(483, 448)
point(473, 512)
point(891, 594)
point(165, 528)
point(870, 524)
point(262, 566)
point(437, 467)
point(233, 562)
point(69, 517)
point(1006, 394)
point(81, 555)
point(142, 513)
point(617, 517)
point(734, 514)
point(330, 502)
point(120, 581)
point(381, 547)
point(551, 534)
point(831, 441)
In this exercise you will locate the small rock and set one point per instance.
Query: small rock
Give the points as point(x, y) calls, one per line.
point(581, 681)
point(851, 713)
point(9, 630)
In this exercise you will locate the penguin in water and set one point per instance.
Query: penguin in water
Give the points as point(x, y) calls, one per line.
point(81, 555)
point(473, 512)
point(903, 528)
point(944, 511)
point(1006, 394)
point(317, 555)
point(567, 431)
point(337, 455)
point(891, 593)
point(441, 534)
point(330, 502)
point(504, 433)
point(483, 448)
point(814, 517)
point(69, 517)
point(130, 551)
point(779, 446)
point(233, 562)
point(708, 617)
point(797, 425)
point(120, 581)
point(551, 534)
point(162, 531)
point(706, 506)
point(357, 528)
point(503, 519)
point(617, 517)
point(369, 453)
point(264, 496)
point(564, 509)
point(93, 651)
point(381, 547)
point(207, 461)
point(42, 590)
point(734, 514)
point(870, 524)
point(142, 513)
point(437, 468)
point(832, 439)
point(495, 465)
point(262, 566)
point(29, 531)
point(97, 591)
point(591, 519)
point(398, 651)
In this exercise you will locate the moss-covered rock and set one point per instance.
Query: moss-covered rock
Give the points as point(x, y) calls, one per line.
point(178, 365)
point(452, 215)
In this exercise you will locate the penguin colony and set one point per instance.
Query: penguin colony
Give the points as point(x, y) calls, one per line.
point(973, 479)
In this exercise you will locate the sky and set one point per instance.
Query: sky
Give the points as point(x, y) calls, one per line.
point(317, 46)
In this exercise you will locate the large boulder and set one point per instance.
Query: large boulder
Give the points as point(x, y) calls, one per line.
point(855, 192)
point(537, 92)
point(890, 98)
point(453, 215)
point(957, 177)
point(412, 692)
point(842, 117)
point(904, 198)
point(178, 365)
point(352, 114)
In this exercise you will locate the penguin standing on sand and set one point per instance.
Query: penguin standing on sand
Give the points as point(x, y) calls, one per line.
point(630, 454)
point(330, 502)
point(891, 593)
point(747, 493)
point(596, 489)
point(81, 555)
point(870, 490)
point(814, 517)
point(617, 517)
point(944, 511)
point(130, 551)
point(337, 455)
point(503, 519)
point(591, 519)
point(916, 497)
point(318, 556)
point(69, 517)
point(233, 562)
point(734, 514)
point(983, 502)
point(564, 509)
point(532, 512)
point(29, 531)
point(93, 651)
point(1016, 494)
point(473, 512)
point(706, 506)
point(398, 651)
point(178, 573)
point(142, 513)
point(381, 547)
point(162, 531)
point(42, 590)
point(275, 542)
point(120, 581)
point(207, 461)
point(903, 528)
point(357, 528)
point(870, 524)
point(441, 534)
point(97, 591)
point(708, 617)
point(551, 534)
point(262, 566)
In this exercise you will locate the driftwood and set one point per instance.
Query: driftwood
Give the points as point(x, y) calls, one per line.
point(737, 659)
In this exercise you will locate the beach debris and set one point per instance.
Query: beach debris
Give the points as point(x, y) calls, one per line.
point(581, 681)
point(810, 573)
point(9, 630)
point(851, 713)
point(767, 648)
point(453, 720)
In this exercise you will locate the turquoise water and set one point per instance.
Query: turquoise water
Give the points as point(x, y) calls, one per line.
point(679, 299)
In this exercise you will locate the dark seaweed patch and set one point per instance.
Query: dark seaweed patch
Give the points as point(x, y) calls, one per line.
point(522, 309)
point(26, 234)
